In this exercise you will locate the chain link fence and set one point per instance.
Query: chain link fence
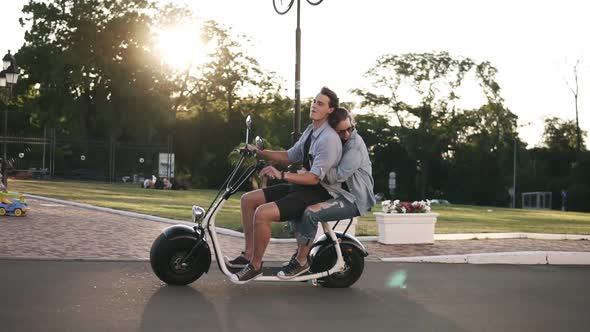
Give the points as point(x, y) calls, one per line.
point(51, 156)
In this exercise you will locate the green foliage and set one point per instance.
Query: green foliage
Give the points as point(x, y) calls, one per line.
point(419, 91)
point(558, 166)
point(476, 176)
point(92, 72)
point(579, 188)
point(94, 66)
point(479, 166)
point(561, 134)
point(492, 127)
point(219, 95)
point(387, 155)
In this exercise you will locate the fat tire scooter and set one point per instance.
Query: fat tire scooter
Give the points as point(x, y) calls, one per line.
point(180, 254)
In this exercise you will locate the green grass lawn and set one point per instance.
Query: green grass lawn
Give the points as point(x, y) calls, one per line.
point(177, 205)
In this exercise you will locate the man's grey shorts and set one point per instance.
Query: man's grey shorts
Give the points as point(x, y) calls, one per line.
point(334, 209)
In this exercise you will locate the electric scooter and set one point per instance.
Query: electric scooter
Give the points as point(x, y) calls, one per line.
point(180, 254)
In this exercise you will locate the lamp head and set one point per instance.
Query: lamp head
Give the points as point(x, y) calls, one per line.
point(12, 74)
point(8, 60)
point(3, 78)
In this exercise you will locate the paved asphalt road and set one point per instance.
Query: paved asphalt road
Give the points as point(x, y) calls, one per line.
point(126, 296)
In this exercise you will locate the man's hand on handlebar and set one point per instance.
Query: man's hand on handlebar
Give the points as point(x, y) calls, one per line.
point(271, 172)
point(252, 148)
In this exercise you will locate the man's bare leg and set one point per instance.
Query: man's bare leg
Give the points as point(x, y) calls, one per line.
point(264, 216)
point(310, 211)
point(248, 204)
point(302, 253)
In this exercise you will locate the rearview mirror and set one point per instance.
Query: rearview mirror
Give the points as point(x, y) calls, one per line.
point(259, 142)
point(249, 122)
point(248, 127)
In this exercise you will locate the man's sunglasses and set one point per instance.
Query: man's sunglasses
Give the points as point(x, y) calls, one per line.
point(349, 130)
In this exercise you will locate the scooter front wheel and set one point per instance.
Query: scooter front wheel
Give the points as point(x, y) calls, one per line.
point(166, 256)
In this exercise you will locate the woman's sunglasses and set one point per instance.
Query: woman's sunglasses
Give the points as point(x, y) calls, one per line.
point(349, 130)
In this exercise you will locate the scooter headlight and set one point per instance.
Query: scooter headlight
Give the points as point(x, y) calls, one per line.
point(198, 213)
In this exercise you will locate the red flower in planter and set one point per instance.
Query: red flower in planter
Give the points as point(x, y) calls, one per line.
point(405, 207)
point(408, 206)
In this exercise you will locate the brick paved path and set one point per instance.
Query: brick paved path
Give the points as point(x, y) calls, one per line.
point(55, 231)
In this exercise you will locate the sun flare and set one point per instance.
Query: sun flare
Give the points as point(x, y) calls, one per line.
point(181, 46)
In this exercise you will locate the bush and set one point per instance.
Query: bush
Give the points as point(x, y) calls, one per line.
point(578, 196)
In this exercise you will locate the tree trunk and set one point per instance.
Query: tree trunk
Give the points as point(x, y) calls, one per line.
point(421, 174)
point(578, 134)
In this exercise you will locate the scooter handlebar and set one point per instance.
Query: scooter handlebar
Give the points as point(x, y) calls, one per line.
point(260, 165)
point(246, 152)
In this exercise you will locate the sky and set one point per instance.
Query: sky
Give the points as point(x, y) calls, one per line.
point(533, 44)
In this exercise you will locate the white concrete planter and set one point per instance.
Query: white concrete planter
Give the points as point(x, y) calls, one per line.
point(341, 227)
point(404, 228)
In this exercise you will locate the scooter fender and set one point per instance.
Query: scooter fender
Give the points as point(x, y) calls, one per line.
point(176, 232)
point(322, 255)
point(344, 239)
point(180, 231)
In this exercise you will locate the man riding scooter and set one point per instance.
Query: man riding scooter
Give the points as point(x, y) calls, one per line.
point(319, 149)
point(181, 254)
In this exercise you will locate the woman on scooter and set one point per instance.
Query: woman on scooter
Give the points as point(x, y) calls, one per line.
point(355, 198)
point(319, 149)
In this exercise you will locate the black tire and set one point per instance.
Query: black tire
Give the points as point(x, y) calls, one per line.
point(354, 261)
point(165, 257)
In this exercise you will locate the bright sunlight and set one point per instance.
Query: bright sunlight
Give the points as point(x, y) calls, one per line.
point(181, 46)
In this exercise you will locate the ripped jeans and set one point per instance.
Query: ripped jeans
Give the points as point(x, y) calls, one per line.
point(334, 209)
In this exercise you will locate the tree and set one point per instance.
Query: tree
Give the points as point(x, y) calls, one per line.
point(486, 148)
point(563, 135)
point(575, 91)
point(93, 64)
point(558, 165)
point(492, 127)
point(94, 72)
point(419, 91)
point(387, 155)
point(215, 101)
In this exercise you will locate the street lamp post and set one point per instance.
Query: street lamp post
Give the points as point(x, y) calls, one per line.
point(514, 176)
point(8, 78)
point(282, 7)
point(514, 165)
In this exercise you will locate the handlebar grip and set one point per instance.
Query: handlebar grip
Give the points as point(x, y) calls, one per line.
point(260, 165)
point(245, 152)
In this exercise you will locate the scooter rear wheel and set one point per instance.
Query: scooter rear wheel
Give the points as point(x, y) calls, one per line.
point(166, 259)
point(354, 262)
